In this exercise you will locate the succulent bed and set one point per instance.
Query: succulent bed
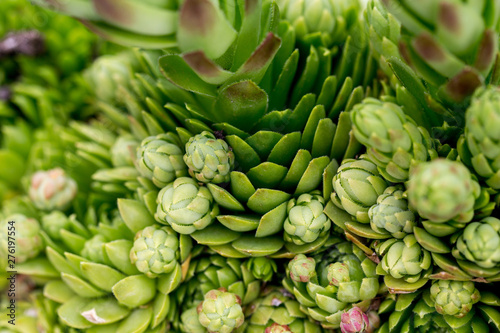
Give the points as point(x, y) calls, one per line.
point(261, 166)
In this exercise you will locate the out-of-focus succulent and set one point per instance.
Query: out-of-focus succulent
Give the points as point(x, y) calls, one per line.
point(54, 222)
point(221, 311)
point(155, 251)
point(210, 160)
point(443, 190)
point(454, 298)
point(391, 213)
point(356, 187)
point(109, 72)
point(186, 206)
point(159, 158)
point(277, 328)
point(52, 189)
point(320, 22)
point(20, 238)
point(393, 140)
point(123, 151)
point(354, 321)
point(482, 120)
point(306, 221)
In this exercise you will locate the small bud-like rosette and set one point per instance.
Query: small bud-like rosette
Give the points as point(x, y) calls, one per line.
point(159, 158)
point(454, 298)
point(354, 321)
point(52, 190)
point(220, 311)
point(306, 221)
point(391, 214)
point(356, 187)
point(155, 250)
point(210, 160)
point(186, 206)
point(26, 241)
point(302, 268)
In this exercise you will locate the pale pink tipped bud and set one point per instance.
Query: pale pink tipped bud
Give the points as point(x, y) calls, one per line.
point(354, 321)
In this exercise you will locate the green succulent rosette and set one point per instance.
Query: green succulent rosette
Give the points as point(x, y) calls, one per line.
point(391, 214)
point(477, 247)
point(306, 221)
point(454, 298)
point(52, 189)
point(482, 119)
point(159, 158)
point(95, 268)
point(20, 238)
point(393, 140)
point(208, 272)
point(343, 276)
point(186, 206)
point(404, 260)
point(262, 268)
point(275, 311)
point(416, 312)
point(155, 251)
point(220, 311)
point(356, 187)
point(443, 190)
point(210, 160)
point(320, 22)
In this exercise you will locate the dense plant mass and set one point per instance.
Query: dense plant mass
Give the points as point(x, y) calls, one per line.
point(260, 166)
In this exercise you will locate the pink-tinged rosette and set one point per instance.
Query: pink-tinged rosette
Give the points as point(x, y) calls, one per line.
point(52, 190)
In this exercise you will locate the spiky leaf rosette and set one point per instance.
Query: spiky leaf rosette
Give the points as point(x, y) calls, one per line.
point(393, 140)
point(99, 284)
point(451, 45)
point(415, 312)
point(342, 277)
point(482, 138)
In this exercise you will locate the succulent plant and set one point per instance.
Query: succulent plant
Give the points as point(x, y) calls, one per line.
point(443, 190)
point(454, 298)
point(220, 311)
point(186, 206)
point(210, 160)
point(52, 189)
point(21, 238)
point(356, 187)
point(160, 159)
